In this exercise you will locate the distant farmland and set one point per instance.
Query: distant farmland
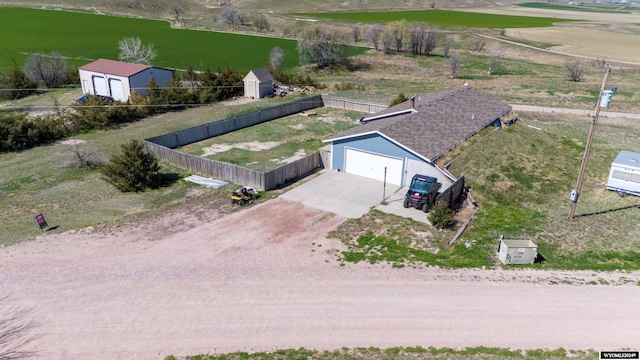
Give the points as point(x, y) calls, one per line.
point(441, 18)
point(86, 37)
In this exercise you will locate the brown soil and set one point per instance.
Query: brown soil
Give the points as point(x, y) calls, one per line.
point(266, 277)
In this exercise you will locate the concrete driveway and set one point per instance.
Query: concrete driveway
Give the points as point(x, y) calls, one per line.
point(344, 194)
point(352, 196)
point(394, 206)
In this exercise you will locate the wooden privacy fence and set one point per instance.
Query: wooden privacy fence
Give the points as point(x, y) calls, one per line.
point(452, 193)
point(350, 104)
point(162, 146)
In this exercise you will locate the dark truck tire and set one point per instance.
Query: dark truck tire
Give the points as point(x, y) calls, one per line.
point(405, 203)
point(425, 207)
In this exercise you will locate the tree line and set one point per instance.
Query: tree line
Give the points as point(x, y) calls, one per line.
point(20, 132)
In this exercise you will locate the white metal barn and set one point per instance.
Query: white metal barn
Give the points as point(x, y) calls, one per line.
point(624, 176)
point(117, 79)
point(258, 83)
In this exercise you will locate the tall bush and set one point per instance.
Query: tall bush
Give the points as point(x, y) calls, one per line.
point(133, 169)
point(441, 216)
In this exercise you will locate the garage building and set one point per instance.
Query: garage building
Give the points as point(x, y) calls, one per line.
point(117, 79)
point(408, 138)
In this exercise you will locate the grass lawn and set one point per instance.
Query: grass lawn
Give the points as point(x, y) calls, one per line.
point(522, 177)
point(43, 180)
point(417, 353)
point(269, 145)
point(445, 18)
point(84, 37)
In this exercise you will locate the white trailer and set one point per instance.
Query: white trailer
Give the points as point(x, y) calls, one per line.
point(624, 176)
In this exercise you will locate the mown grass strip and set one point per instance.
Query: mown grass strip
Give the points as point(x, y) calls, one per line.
point(408, 352)
point(441, 18)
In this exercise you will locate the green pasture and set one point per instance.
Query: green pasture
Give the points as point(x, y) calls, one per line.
point(84, 37)
point(441, 18)
point(603, 8)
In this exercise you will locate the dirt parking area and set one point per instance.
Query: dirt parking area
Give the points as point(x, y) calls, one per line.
point(266, 277)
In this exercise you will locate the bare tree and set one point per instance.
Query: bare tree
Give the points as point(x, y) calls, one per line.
point(230, 16)
point(48, 70)
point(496, 54)
point(260, 23)
point(276, 57)
point(132, 50)
point(242, 17)
point(431, 41)
point(81, 157)
point(575, 69)
point(177, 10)
point(477, 46)
point(355, 31)
point(446, 47)
point(417, 35)
point(456, 62)
point(373, 34)
point(322, 47)
point(15, 332)
point(400, 31)
point(599, 63)
point(388, 41)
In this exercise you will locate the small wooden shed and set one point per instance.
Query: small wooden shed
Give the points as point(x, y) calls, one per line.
point(258, 84)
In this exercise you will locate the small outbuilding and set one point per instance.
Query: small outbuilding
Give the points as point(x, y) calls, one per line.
point(258, 84)
point(624, 175)
point(118, 80)
point(407, 139)
point(517, 251)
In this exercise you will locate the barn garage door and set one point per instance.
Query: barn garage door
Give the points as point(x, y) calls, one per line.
point(100, 86)
point(117, 91)
point(372, 166)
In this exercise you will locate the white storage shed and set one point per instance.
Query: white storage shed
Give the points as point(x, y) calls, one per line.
point(624, 176)
point(258, 84)
point(117, 79)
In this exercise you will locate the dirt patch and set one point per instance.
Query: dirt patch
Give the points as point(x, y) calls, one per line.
point(251, 146)
point(73, 141)
point(298, 126)
point(265, 277)
point(299, 154)
point(584, 42)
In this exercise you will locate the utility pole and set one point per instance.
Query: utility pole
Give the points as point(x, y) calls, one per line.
point(594, 119)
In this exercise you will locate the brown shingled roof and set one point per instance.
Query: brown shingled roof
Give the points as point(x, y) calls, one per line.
point(442, 121)
point(113, 67)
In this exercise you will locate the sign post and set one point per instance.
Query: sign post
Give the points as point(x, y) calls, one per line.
point(41, 221)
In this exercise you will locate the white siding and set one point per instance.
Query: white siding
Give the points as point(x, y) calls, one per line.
point(117, 90)
point(100, 85)
point(373, 166)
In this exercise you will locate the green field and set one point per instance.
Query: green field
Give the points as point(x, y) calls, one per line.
point(86, 37)
point(602, 8)
point(441, 18)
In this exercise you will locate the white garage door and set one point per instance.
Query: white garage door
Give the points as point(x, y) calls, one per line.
point(117, 91)
point(100, 86)
point(372, 166)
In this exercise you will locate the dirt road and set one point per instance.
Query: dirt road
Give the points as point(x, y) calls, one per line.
point(266, 278)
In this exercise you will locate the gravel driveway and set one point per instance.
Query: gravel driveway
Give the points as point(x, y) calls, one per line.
point(266, 277)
